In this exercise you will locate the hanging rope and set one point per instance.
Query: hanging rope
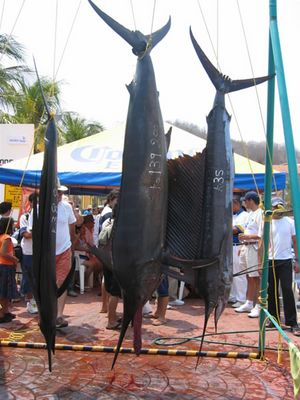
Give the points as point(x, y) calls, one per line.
point(68, 38)
point(133, 16)
point(256, 91)
point(14, 25)
point(2, 13)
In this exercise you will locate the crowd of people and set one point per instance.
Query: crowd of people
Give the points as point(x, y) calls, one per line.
point(248, 251)
point(79, 231)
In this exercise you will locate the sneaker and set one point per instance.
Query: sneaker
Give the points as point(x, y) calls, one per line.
point(254, 313)
point(176, 302)
point(61, 323)
point(237, 304)
point(232, 300)
point(247, 307)
point(72, 293)
point(295, 329)
point(31, 307)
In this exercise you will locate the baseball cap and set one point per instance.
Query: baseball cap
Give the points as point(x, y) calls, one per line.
point(251, 196)
point(276, 201)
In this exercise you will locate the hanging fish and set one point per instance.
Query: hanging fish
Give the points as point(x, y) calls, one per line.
point(44, 239)
point(140, 224)
point(214, 280)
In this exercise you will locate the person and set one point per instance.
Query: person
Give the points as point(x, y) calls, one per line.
point(65, 235)
point(111, 201)
point(111, 285)
point(88, 211)
point(79, 221)
point(5, 209)
point(239, 283)
point(84, 240)
point(249, 254)
point(26, 262)
point(159, 315)
point(282, 243)
point(8, 262)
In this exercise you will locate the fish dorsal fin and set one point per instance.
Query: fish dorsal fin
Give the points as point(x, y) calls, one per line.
point(185, 201)
point(221, 82)
point(140, 43)
point(168, 138)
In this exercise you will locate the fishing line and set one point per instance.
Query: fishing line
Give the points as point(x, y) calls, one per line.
point(2, 13)
point(228, 95)
point(133, 16)
point(55, 37)
point(14, 25)
point(256, 91)
point(68, 38)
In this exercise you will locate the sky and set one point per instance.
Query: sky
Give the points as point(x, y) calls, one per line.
point(70, 41)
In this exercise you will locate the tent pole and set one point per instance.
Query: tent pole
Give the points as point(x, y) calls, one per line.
point(267, 199)
point(289, 142)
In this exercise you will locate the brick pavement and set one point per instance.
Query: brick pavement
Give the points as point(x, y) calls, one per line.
point(85, 375)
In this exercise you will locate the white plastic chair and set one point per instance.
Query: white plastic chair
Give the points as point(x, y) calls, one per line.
point(81, 268)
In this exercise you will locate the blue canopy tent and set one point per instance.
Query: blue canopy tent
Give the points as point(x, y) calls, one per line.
point(94, 164)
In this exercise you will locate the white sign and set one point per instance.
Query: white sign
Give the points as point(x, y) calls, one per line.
point(17, 140)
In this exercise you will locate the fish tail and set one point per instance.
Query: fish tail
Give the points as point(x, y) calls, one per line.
point(139, 42)
point(207, 314)
point(221, 82)
point(125, 323)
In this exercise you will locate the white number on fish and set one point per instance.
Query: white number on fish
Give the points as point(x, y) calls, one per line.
point(218, 180)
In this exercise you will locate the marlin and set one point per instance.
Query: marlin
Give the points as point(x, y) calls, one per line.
point(214, 279)
point(139, 229)
point(44, 240)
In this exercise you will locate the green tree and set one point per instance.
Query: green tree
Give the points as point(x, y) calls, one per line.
point(11, 76)
point(74, 127)
point(28, 107)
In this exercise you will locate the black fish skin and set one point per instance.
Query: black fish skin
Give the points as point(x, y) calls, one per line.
point(216, 243)
point(44, 242)
point(140, 224)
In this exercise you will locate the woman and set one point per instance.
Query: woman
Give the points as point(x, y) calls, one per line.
point(8, 262)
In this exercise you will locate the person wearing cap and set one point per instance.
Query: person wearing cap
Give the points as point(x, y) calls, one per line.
point(282, 242)
point(249, 254)
point(5, 209)
point(239, 282)
point(65, 237)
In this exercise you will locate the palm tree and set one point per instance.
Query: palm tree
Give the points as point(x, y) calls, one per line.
point(74, 127)
point(28, 107)
point(10, 77)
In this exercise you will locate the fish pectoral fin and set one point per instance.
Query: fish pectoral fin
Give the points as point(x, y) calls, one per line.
point(186, 275)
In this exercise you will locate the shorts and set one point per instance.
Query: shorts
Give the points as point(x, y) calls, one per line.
point(249, 260)
point(163, 288)
point(8, 285)
point(63, 265)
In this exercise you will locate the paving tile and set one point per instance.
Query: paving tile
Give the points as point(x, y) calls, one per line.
point(87, 375)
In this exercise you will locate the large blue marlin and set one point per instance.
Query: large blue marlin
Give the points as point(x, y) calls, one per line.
point(215, 279)
point(44, 240)
point(139, 228)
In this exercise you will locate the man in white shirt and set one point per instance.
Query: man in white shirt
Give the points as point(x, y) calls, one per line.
point(65, 236)
point(282, 242)
point(249, 254)
point(239, 283)
point(26, 263)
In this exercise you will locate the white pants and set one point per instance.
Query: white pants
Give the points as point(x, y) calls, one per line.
point(239, 283)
